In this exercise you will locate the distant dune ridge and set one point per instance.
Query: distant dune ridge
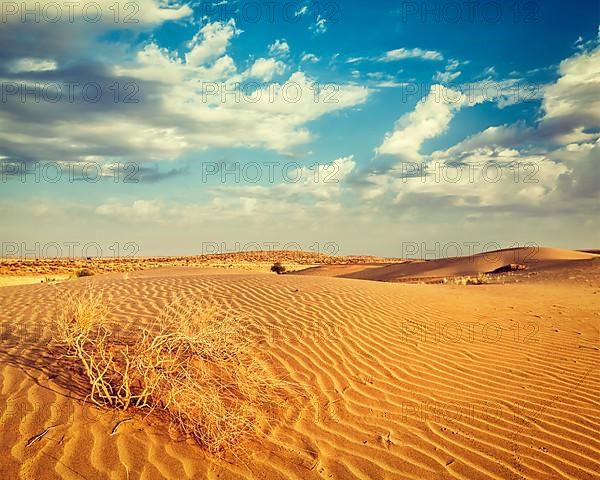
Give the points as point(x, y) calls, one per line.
point(251, 260)
point(537, 258)
point(395, 381)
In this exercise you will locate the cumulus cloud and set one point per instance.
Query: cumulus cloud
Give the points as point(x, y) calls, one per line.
point(210, 42)
point(498, 168)
point(489, 176)
point(266, 68)
point(166, 104)
point(582, 180)
point(572, 104)
point(429, 119)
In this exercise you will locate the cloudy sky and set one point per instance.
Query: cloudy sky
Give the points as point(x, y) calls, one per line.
point(346, 127)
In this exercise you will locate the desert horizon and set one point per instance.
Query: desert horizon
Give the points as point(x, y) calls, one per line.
point(506, 260)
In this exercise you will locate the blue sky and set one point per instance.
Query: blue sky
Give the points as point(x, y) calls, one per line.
point(367, 127)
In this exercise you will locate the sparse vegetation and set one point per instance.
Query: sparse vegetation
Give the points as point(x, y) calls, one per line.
point(278, 268)
point(480, 279)
point(84, 272)
point(49, 280)
point(194, 365)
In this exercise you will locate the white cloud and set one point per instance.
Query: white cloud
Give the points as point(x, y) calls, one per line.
point(445, 77)
point(324, 182)
point(572, 104)
point(391, 84)
point(279, 48)
point(488, 176)
point(449, 74)
point(306, 186)
point(404, 53)
point(465, 175)
point(266, 68)
point(508, 136)
point(385, 80)
point(210, 42)
point(309, 58)
point(301, 11)
point(184, 102)
point(320, 25)
point(490, 71)
point(33, 65)
point(430, 118)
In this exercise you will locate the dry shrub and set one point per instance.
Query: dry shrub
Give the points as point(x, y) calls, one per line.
point(194, 364)
point(481, 279)
point(84, 272)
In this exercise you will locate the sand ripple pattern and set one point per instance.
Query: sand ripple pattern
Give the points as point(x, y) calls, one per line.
point(397, 382)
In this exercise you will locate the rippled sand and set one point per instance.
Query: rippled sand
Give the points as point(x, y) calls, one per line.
point(396, 381)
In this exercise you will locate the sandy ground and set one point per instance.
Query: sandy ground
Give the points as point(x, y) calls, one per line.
point(397, 381)
point(9, 280)
point(538, 260)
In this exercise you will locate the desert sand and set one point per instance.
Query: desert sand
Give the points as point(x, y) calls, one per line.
point(536, 259)
point(395, 380)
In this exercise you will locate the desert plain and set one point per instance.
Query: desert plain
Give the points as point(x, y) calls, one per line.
point(401, 369)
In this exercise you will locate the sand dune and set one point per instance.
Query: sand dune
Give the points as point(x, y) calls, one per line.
point(536, 259)
point(397, 381)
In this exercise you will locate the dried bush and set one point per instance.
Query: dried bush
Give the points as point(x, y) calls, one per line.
point(278, 268)
point(84, 272)
point(480, 279)
point(194, 364)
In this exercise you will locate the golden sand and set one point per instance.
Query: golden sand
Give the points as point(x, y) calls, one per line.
point(397, 380)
